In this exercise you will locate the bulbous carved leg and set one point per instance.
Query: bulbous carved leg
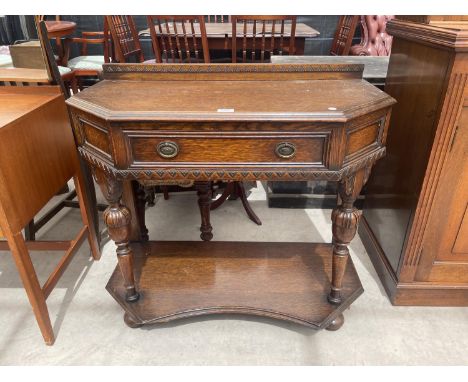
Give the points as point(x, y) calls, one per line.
point(117, 218)
point(345, 219)
point(204, 202)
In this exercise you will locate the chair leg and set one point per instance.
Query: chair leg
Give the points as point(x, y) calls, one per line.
point(226, 193)
point(86, 216)
point(232, 191)
point(30, 231)
point(31, 284)
point(240, 190)
point(89, 193)
point(74, 85)
point(165, 191)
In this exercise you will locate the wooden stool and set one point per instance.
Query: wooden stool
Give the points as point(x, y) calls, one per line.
point(37, 157)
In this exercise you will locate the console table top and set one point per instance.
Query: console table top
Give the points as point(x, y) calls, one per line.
point(231, 99)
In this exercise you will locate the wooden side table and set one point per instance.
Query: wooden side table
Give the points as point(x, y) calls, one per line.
point(210, 122)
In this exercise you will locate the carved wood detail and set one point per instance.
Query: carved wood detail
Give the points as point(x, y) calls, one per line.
point(345, 219)
point(117, 218)
point(295, 173)
point(451, 110)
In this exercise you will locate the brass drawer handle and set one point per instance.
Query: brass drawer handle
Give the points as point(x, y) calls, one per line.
point(285, 150)
point(167, 149)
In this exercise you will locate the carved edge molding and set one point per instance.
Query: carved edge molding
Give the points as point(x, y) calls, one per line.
point(239, 174)
point(429, 34)
point(229, 68)
point(450, 113)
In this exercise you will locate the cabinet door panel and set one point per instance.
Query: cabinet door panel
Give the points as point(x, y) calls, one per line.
point(445, 247)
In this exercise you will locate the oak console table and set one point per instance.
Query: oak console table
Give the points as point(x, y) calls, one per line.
point(227, 122)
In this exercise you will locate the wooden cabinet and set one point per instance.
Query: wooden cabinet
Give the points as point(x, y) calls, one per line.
point(415, 225)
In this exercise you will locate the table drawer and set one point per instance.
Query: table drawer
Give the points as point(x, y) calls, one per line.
point(232, 148)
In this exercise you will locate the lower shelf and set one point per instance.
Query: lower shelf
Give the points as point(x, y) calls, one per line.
point(286, 281)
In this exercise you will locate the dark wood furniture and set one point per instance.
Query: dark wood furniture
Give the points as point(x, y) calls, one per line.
point(220, 36)
point(32, 120)
point(58, 29)
point(87, 66)
point(344, 35)
point(302, 123)
point(321, 194)
point(126, 45)
point(415, 225)
point(67, 200)
point(179, 39)
point(67, 80)
point(256, 38)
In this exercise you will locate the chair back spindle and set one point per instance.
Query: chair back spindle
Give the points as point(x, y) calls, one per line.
point(179, 39)
point(262, 36)
point(344, 35)
point(125, 38)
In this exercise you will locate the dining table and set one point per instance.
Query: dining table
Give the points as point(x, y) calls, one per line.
point(220, 35)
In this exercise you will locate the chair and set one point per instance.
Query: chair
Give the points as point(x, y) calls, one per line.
point(344, 35)
point(31, 175)
point(375, 41)
point(125, 39)
point(262, 36)
point(84, 65)
point(68, 200)
point(179, 39)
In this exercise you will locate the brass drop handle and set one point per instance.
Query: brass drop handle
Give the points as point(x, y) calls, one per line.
point(167, 149)
point(285, 150)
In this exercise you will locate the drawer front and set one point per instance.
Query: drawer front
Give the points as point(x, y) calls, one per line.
point(302, 148)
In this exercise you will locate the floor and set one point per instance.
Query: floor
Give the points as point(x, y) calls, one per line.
point(89, 324)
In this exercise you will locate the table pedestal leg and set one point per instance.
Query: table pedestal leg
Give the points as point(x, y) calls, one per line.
point(345, 219)
point(204, 202)
point(118, 218)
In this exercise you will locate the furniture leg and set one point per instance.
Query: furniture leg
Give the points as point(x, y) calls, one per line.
point(140, 198)
point(129, 200)
point(345, 219)
point(118, 219)
point(226, 193)
point(89, 194)
point(165, 191)
point(150, 196)
point(85, 216)
point(29, 231)
point(204, 202)
point(336, 323)
point(31, 284)
point(240, 190)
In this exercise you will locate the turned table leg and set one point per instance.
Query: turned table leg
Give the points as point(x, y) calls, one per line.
point(204, 202)
point(345, 219)
point(118, 218)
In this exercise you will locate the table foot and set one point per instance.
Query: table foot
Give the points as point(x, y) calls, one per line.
point(130, 322)
point(336, 323)
point(206, 236)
